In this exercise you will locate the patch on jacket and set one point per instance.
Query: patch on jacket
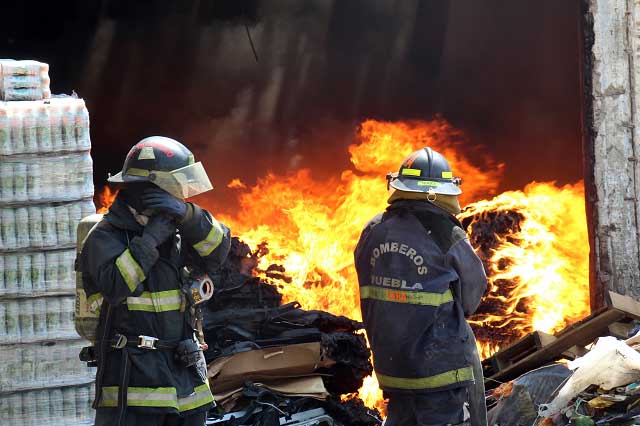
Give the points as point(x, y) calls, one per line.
point(395, 247)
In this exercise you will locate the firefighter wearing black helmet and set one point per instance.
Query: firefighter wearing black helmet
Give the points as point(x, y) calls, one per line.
point(136, 262)
point(419, 277)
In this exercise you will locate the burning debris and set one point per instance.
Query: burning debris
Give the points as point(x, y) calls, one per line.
point(534, 247)
point(487, 229)
point(277, 357)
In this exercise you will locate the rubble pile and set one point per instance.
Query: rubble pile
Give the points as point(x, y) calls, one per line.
point(604, 388)
point(269, 360)
point(600, 388)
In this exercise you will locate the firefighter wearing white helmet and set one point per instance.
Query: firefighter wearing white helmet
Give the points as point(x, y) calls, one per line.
point(419, 277)
point(137, 264)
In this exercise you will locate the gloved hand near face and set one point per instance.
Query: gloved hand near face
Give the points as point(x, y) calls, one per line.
point(159, 228)
point(162, 202)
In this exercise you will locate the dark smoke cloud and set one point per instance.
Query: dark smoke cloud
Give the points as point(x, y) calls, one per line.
point(504, 72)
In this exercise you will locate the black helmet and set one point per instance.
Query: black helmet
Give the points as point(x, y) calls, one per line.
point(166, 163)
point(425, 170)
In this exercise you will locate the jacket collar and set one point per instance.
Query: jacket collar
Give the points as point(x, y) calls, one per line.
point(120, 216)
point(420, 209)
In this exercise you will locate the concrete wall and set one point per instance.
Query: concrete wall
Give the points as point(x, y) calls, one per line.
point(612, 131)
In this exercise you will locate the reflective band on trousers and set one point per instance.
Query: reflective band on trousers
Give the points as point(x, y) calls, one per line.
point(130, 270)
point(439, 380)
point(157, 397)
point(401, 296)
point(212, 241)
point(201, 396)
point(140, 397)
point(161, 301)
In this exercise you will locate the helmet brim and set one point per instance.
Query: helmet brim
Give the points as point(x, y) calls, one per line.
point(120, 178)
point(420, 185)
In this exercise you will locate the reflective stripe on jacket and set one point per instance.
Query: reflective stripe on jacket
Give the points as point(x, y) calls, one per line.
point(418, 277)
point(142, 285)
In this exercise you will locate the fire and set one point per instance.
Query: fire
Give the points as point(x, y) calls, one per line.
point(105, 199)
point(236, 184)
point(312, 227)
point(539, 271)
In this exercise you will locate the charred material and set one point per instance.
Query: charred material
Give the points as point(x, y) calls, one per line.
point(487, 231)
point(235, 287)
point(247, 314)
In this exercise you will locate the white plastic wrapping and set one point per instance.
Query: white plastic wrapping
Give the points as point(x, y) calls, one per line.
point(609, 364)
point(42, 226)
point(24, 80)
point(37, 365)
point(37, 273)
point(66, 406)
point(46, 179)
point(46, 185)
point(30, 319)
point(54, 125)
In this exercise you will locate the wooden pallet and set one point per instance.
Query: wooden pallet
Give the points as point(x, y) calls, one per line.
point(537, 349)
point(516, 351)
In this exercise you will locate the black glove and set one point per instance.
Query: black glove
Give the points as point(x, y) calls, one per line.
point(159, 229)
point(161, 201)
point(188, 353)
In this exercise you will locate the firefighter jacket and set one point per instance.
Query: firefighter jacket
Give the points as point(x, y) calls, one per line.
point(141, 287)
point(418, 278)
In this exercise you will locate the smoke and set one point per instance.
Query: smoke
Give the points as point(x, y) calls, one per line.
point(506, 73)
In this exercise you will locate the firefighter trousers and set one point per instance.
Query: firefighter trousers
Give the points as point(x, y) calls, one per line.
point(433, 409)
point(109, 417)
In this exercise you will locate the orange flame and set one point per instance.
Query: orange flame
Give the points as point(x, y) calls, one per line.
point(236, 184)
point(547, 259)
point(105, 199)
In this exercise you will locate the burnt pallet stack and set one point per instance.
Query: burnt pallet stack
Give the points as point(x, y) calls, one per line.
point(46, 187)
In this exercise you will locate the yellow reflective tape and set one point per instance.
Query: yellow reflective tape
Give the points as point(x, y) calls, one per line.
point(447, 378)
point(201, 396)
point(447, 175)
point(140, 397)
point(408, 297)
point(428, 183)
point(138, 172)
point(212, 240)
point(161, 301)
point(130, 270)
point(411, 172)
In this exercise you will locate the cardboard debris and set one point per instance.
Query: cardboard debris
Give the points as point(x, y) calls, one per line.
point(308, 387)
point(281, 362)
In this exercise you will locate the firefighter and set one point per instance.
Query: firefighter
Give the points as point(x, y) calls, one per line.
point(138, 259)
point(419, 278)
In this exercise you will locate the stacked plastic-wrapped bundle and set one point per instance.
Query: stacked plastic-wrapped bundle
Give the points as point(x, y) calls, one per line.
point(46, 188)
point(24, 80)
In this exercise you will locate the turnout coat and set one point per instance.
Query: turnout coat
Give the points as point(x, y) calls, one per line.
point(141, 288)
point(418, 278)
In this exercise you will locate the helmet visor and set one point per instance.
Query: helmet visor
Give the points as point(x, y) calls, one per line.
point(185, 182)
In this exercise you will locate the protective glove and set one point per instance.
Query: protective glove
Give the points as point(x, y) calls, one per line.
point(161, 201)
point(159, 229)
point(187, 353)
